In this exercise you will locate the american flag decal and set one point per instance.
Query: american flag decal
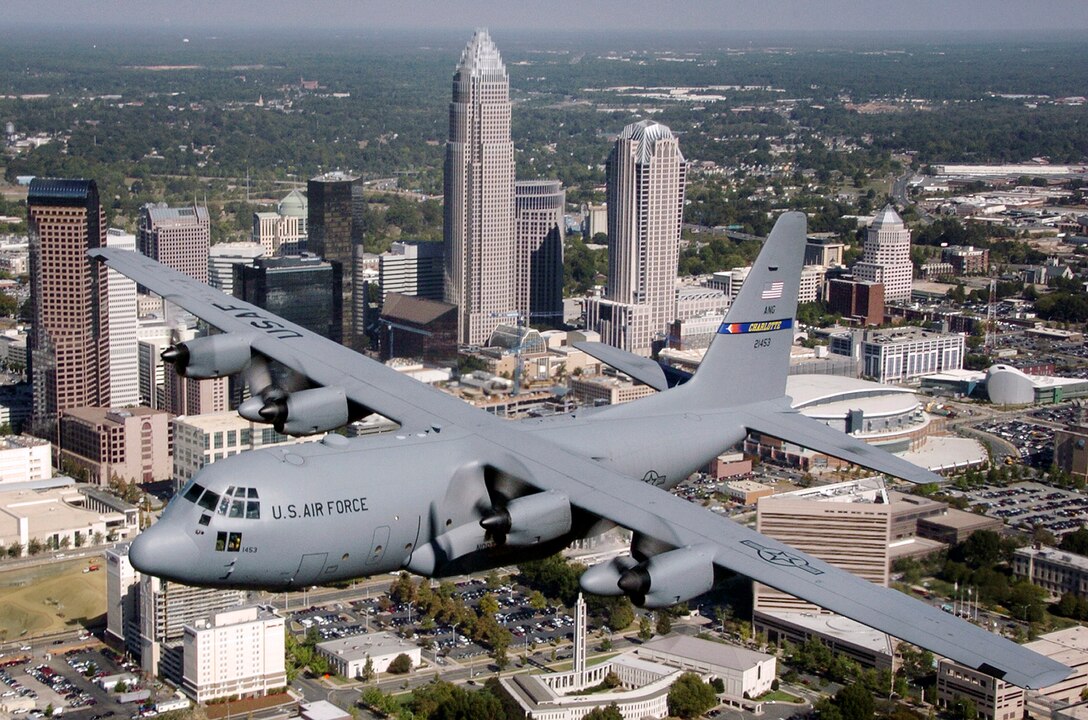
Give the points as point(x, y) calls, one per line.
point(772, 290)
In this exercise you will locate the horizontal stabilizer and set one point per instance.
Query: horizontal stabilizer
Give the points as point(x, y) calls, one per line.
point(642, 369)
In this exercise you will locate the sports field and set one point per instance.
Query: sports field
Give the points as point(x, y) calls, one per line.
point(51, 597)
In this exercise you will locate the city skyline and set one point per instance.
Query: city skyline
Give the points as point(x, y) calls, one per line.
point(702, 15)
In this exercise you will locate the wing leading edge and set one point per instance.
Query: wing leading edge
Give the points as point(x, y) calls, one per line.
point(367, 383)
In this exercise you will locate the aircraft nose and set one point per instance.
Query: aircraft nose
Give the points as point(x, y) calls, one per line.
point(164, 552)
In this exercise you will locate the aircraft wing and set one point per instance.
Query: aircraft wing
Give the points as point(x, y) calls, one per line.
point(787, 424)
point(370, 385)
point(665, 517)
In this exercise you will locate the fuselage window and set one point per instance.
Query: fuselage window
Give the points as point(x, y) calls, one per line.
point(220, 542)
point(208, 500)
point(234, 542)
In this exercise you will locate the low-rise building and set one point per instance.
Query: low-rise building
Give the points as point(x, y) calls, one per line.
point(347, 656)
point(1056, 571)
point(954, 526)
point(1069, 647)
point(993, 699)
point(24, 458)
point(607, 390)
point(235, 652)
point(130, 444)
point(745, 673)
point(55, 513)
point(200, 440)
point(747, 492)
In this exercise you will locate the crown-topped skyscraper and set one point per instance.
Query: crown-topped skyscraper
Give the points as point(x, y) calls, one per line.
point(479, 228)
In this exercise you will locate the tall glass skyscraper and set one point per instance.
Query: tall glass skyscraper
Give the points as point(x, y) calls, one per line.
point(479, 229)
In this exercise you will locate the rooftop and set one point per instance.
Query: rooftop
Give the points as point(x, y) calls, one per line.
point(706, 651)
point(359, 647)
point(1054, 555)
point(481, 57)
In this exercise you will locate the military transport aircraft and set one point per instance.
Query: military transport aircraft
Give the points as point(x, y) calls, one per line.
point(457, 490)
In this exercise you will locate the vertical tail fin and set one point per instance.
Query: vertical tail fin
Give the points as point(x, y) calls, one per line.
point(749, 358)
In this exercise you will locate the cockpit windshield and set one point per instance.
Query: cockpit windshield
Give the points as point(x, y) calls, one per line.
point(240, 502)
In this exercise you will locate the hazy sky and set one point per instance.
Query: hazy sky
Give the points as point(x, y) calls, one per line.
point(885, 16)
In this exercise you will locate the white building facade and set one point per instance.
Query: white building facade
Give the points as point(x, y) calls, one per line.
point(200, 440)
point(124, 364)
point(886, 256)
point(479, 231)
point(235, 652)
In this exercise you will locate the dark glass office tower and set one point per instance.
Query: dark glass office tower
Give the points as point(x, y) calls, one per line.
point(302, 289)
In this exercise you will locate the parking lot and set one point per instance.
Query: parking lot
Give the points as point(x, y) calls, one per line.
point(1034, 441)
point(66, 683)
point(1027, 505)
point(528, 625)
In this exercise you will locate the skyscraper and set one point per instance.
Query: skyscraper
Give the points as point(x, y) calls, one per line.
point(304, 290)
point(887, 255)
point(480, 275)
point(539, 226)
point(646, 177)
point(69, 340)
point(177, 237)
point(124, 357)
point(330, 227)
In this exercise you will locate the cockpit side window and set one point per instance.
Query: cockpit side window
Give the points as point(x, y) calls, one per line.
point(193, 492)
point(208, 500)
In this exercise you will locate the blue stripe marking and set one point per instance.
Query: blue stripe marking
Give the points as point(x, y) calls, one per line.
point(755, 327)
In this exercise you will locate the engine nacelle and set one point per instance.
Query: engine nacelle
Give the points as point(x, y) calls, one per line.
point(670, 578)
point(305, 412)
point(604, 578)
point(531, 519)
point(211, 356)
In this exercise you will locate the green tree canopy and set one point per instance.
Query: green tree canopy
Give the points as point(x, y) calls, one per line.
point(690, 696)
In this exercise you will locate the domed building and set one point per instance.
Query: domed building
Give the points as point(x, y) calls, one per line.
point(888, 416)
point(295, 204)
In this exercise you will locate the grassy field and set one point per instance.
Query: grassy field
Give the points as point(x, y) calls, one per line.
point(50, 598)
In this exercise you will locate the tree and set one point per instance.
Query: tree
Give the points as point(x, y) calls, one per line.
point(664, 623)
point(612, 712)
point(537, 601)
point(1076, 541)
point(368, 670)
point(400, 665)
point(964, 709)
point(15, 549)
point(34, 546)
point(488, 606)
point(855, 702)
point(645, 628)
point(690, 696)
